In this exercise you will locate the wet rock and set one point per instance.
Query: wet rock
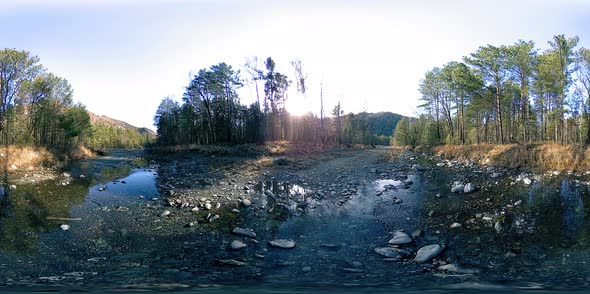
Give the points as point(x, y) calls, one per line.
point(306, 269)
point(282, 243)
point(64, 227)
point(400, 238)
point(498, 227)
point(428, 252)
point(102, 189)
point(527, 181)
point(208, 206)
point(398, 201)
point(214, 218)
point(237, 245)
point(517, 203)
point(469, 188)
point(195, 209)
point(232, 262)
point(416, 234)
point(269, 193)
point(457, 188)
point(455, 268)
point(246, 202)
point(235, 210)
point(390, 252)
point(165, 213)
point(456, 225)
point(244, 232)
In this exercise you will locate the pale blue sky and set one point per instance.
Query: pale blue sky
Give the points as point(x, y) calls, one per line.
point(123, 57)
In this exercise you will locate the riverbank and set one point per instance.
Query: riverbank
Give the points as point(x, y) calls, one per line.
point(529, 157)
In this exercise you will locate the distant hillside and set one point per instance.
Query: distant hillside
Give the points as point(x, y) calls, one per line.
point(113, 133)
point(383, 123)
point(107, 121)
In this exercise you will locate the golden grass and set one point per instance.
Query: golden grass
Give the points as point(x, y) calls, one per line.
point(81, 152)
point(548, 156)
point(27, 157)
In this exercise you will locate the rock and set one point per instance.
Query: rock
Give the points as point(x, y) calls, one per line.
point(102, 189)
point(357, 264)
point(191, 224)
point(14, 167)
point(64, 227)
point(235, 210)
point(373, 170)
point(469, 188)
point(456, 225)
point(208, 206)
point(398, 201)
point(517, 203)
point(306, 269)
point(232, 262)
point(487, 218)
point(165, 213)
point(527, 181)
point(416, 234)
point(244, 232)
point(455, 268)
point(498, 227)
point(13, 187)
point(269, 193)
point(237, 245)
point(246, 202)
point(428, 252)
point(400, 238)
point(457, 188)
point(214, 218)
point(195, 209)
point(391, 252)
point(171, 192)
point(282, 243)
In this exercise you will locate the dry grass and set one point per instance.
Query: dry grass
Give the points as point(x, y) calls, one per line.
point(532, 156)
point(81, 152)
point(27, 157)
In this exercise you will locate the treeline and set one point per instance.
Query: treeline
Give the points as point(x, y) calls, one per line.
point(104, 136)
point(506, 94)
point(211, 111)
point(36, 106)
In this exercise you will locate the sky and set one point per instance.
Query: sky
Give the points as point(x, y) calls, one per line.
point(122, 57)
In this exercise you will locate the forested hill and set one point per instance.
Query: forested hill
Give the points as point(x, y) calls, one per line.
point(112, 133)
point(383, 123)
point(104, 120)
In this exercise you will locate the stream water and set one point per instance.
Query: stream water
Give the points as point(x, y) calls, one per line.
point(116, 238)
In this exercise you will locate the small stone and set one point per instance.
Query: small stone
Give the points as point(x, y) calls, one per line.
point(527, 181)
point(171, 192)
point(214, 218)
point(232, 262)
point(398, 201)
point(400, 238)
point(517, 203)
point(282, 243)
point(208, 206)
point(165, 213)
point(235, 210)
point(13, 187)
point(64, 227)
point(237, 245)
point(244, 232)
point(454, 268)
point(195, 209)
point(456, 225)
point(469, 188)
point(306, 269)
point(269, 193)
point(391, 252)
point(246, 202)
point(498, 227)
point(457, 188)
point(428, 252)
point(416, 234)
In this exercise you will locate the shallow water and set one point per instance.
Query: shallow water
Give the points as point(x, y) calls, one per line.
point(121, 242)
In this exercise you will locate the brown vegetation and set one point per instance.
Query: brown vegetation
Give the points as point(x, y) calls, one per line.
point(27, 157)
point(531, 156)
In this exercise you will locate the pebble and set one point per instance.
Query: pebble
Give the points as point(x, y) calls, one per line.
point(469, 188)
point(232, 262)
point(282, 243)
point(237, 245)
point(517, 203)
point(165, 213)
point(456, 225)
point(246, 202)
point(400, 238)
point(458, 269)
point(208, 206)
point(244, 232)
point(64, 227)
point(214, 218)
point(306, 269)
point(391, 252)
point(428, 252)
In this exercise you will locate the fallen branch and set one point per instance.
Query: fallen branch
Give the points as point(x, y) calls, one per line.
point(63, 218)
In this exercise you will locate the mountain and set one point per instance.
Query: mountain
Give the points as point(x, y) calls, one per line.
point(383, 123)
point(104, 120)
